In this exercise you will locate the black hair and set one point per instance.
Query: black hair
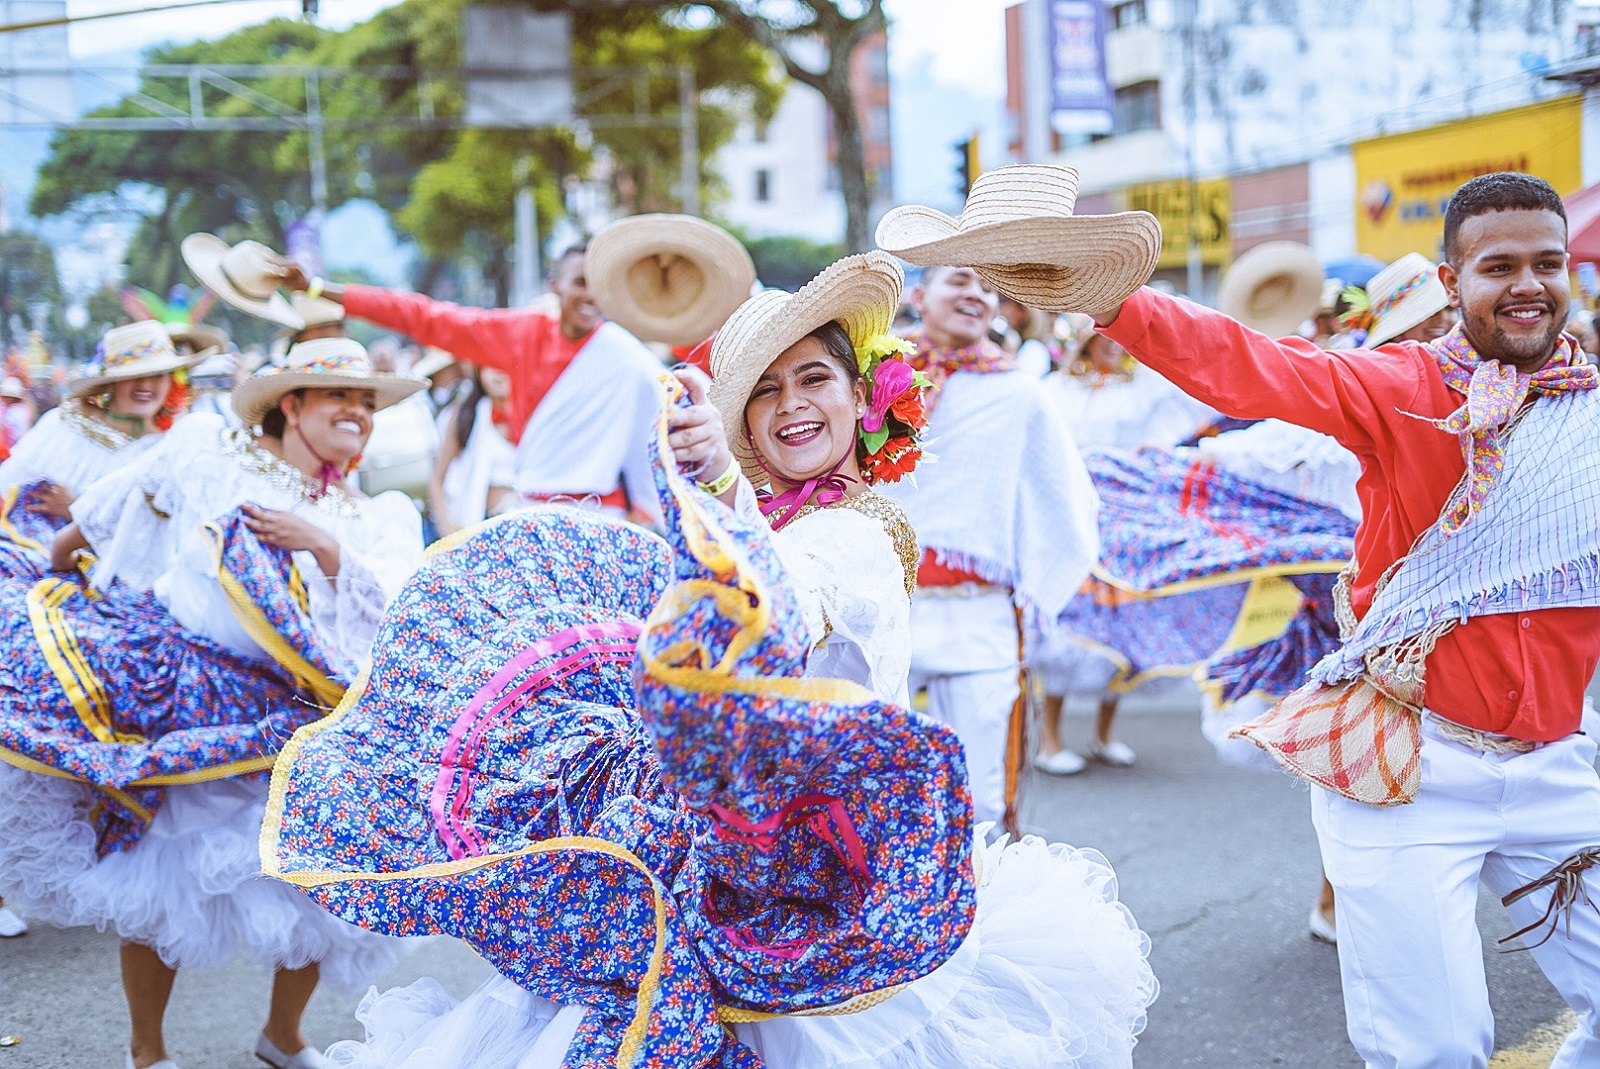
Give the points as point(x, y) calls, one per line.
point(273, 421)
point(466, 416)
point(1503, 191)
point(836, 342)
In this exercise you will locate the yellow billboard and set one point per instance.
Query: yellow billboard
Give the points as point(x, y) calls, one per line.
point(1168, 201)
point(1404, 180)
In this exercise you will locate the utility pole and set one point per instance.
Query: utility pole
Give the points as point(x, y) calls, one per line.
point(525, 239)
point(689, 141)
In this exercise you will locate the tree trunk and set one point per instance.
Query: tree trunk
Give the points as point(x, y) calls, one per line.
point(849, 149)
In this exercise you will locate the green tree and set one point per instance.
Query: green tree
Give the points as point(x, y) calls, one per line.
point(450, 189)
point(780, 26)
point(27, 278)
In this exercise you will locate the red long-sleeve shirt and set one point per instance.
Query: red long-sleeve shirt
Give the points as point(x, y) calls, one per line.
point(1517, 674)
point(528, 346)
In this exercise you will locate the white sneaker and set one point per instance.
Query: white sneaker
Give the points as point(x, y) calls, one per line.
point(165, 1063)
point(1322, 929)
point(1060, 763)
point(1115, 752)
point(11, 925)
point(305, 1058)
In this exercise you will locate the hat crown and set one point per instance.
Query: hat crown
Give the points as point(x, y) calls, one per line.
point(134, 341)
point(316, 311)
point(249, 266)
point(343, 356)
point(1397, 281)
point(1011, 193)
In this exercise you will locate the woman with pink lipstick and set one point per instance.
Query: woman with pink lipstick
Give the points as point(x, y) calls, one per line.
point(811, 406)
point(114, 413)
point(246, 566)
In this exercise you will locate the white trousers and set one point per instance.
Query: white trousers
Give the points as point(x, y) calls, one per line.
point(978, 706)
point(964, 653)
point(1410, 954)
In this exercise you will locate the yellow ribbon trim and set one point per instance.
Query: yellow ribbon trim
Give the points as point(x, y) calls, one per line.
point(1206, 582)
point(61, 652)
point(265, 635)
point(28, 764)
point(8, 501)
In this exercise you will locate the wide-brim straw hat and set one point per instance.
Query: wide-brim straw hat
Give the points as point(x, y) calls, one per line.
point(1404, 294)
point(860, 293)
point(201, 337)
point(131, 351)
point(432, 361)
point(1019, 232)
point(1273, 288)
point(12, 387)
point(668, 278)
point(246, 276)
point(320, 364)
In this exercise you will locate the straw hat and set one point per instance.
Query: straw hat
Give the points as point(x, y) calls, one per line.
point(1018, 231)
point(316, 311)
point(131, 352)
point(861, 292)
point(668, 278)
point(1404, 294)
point(432, 361)
point(1273, 288)
point(200, 337)
point(321, 364)
point(246, 276)
point(12, 387)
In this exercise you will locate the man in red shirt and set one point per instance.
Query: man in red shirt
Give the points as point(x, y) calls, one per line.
point(1508, 789)
point(583, 391)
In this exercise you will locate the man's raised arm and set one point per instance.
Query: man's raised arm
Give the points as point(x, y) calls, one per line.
point(1243, 373)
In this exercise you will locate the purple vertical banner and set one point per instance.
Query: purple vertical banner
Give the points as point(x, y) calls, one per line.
point(1081, 99)
point(302, 241)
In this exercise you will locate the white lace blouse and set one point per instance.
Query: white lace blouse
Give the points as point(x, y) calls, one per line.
point(853, 565)
point(146, 527)
point(71, 449)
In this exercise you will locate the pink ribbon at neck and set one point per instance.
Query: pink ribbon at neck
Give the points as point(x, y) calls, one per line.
point(328, 473)
point(824, 490)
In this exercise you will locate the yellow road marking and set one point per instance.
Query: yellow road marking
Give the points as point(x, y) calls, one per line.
point(1537, 1051)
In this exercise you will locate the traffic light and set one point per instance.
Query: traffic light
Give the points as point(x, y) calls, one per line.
point(969, 166)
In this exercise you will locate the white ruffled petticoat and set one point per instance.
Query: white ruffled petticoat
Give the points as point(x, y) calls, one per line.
point(1054, 974)
point(191, 887)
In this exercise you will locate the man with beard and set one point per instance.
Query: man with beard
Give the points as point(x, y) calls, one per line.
point(1442, 739)
point(1006, 519)
point(583, 391)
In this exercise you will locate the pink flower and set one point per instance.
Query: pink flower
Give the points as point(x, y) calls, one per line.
point(890, 379)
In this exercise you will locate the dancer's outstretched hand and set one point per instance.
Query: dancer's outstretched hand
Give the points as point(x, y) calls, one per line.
point(699, 444)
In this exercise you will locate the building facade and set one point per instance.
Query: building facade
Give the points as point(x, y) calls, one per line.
point(1243, 121)
point(782, 178)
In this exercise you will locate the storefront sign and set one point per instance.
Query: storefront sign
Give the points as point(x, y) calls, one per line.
point(1404, 181)
point(1169, 202)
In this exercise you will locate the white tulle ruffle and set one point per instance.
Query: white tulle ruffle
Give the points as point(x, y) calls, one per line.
point(191, 887)
point(1053, 976)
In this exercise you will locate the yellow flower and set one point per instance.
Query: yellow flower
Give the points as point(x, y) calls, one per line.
point(879, 347)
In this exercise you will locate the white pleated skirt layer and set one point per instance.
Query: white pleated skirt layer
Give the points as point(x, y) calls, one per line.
point(1054, 974)
point(191, 887)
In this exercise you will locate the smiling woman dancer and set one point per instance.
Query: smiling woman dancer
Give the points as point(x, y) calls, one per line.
point(269, 575)
point(115, 412)
point(648, 794)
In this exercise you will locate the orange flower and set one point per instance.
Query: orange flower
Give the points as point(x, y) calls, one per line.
point(911, 408)
point(895, 460)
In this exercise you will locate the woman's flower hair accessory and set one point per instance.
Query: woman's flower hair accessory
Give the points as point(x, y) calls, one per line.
point(891, 429)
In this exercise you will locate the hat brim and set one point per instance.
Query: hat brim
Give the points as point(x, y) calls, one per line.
point(1078, 263)
point(159, 365)
point(1292, 277)
point(199, 336)
point(204, 252)
point(431, 364)
point(1413, 310)
point(619, 277)
point(861, 293)
point(256, 396)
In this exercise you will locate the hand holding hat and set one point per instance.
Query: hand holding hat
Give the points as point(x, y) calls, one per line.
point(1019, 232)
point(247, 276)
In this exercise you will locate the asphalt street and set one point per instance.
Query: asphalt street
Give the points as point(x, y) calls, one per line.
point(1218, 864)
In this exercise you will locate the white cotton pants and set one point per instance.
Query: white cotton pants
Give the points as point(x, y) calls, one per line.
point(964, 652)
point(1410, 954)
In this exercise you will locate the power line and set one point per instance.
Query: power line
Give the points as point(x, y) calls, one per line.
point(65, 20)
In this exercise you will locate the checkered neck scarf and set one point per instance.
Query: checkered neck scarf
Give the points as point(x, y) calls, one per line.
point(1494, 393)
point(939, 362)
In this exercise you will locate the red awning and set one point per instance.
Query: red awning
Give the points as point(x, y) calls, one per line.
point(1583, 224)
